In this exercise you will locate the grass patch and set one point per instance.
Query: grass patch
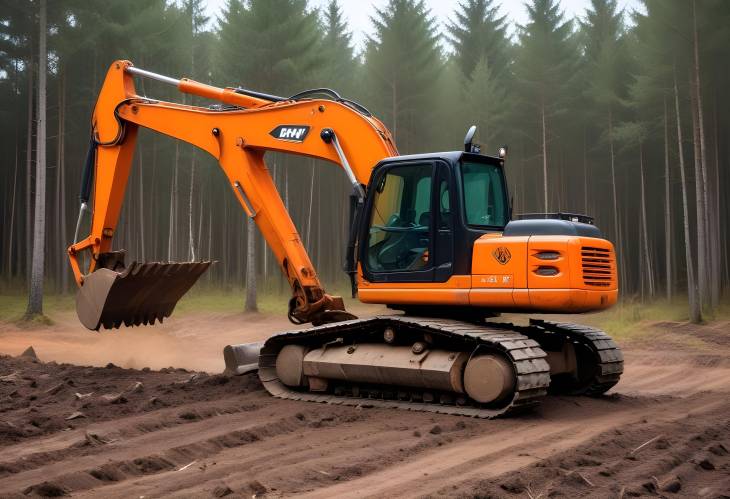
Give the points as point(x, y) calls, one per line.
point(201, 298)
point(34, 321)
point(13, 307)
point(232, 300)
point(229, 301)
point(630, 319)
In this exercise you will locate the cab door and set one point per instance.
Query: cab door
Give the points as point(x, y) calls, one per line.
point(407, 235)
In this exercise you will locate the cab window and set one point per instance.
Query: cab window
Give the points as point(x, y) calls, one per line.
point(400, 226)
point(485, 203)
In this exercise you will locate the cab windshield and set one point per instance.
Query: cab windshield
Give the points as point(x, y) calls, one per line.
point(485, 202)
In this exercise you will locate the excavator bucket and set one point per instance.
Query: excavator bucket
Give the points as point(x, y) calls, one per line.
point(138, 294)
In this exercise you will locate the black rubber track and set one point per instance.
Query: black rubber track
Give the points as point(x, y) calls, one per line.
point(606, 357)
point(528, 360)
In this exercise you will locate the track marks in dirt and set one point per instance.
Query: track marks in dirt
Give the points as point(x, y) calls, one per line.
point(101, 439)
point(36, 398)
point(330, 444)
point(684, 457)
point(135, 457)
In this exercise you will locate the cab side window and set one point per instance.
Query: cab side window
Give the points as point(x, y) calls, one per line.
point(400, 226)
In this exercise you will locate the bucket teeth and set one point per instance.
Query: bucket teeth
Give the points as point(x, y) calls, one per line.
point(140, 294)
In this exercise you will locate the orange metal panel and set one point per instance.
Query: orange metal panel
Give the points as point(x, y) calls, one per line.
point(414, 296)
point(455, 291)
point(491, 298)
point(571, 300)
point(495, 257)
point(454, 282)
point(564, 264)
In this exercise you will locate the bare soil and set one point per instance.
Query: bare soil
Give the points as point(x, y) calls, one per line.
point(137, 428)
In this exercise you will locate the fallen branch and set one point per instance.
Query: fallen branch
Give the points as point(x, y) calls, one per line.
point(187, 466)
point(585, 479)
point(581, 476)
point(644, 445)
point(621, 492)
point(529, 493)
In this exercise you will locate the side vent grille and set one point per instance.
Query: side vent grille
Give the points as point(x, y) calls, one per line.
point(596, 266)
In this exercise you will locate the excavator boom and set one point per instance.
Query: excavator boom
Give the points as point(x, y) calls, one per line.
point(237, 135)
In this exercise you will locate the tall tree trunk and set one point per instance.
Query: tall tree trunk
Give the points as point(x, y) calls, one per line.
point(58, 246)
point(614, 198)
point(704, 290)
point(171, 239)
point(35, 298)
point(251, 305)
point(210, 236)
point(716, 271)
point(585, 173)
point(210, 232)
point(544, 157)
point(191, 239)
point(199, 240)
point(700, 202)
point(695, 312)
point(612, 158)
point(225, 249)
point(667, 208)
point(62, 208)
point(141, 170)
point(645, 229)
point(29, 173)
point(153, 204)
point(12, 214)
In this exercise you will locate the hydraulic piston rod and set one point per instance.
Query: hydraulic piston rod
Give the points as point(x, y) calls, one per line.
point(231, 96)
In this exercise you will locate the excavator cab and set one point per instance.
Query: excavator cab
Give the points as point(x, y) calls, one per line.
point(437, 237)
point(424, 212)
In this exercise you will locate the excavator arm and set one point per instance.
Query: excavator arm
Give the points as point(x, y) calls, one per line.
point(238, 135)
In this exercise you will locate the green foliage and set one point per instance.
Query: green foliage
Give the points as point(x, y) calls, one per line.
point(268, 45)
point(479, 33)
point(485, 103)
point(338, 65)
point(631, 133)
point(606, 59)
point(402, 62)
point(547, 55)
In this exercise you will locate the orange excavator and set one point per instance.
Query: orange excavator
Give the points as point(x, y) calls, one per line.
point(431, 236)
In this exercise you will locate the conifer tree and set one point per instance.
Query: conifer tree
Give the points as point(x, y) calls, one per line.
point(485, 103)
point(269, 45)
point(403, 61)
point(544, 65)
point(479, 32)
point(339, 67)
point(606, 67)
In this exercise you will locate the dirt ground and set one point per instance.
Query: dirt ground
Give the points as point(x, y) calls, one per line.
point(138, 428)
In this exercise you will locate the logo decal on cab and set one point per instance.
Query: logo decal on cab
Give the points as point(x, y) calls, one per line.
point(502, 255)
